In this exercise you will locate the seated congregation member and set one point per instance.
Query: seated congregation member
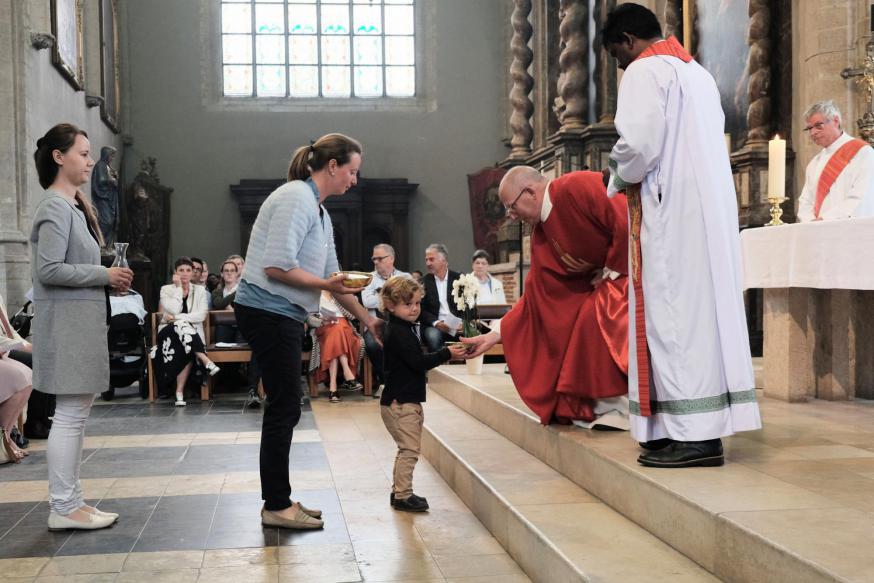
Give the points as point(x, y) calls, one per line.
point(40, 406)
point(180, 333)
point(15, 387)
point(491, 290)
point(565, 340)
point(200, 276)
point(418, 276)
point(384, 268)
point(406, 368)
point(839, 180)
point(339, 347)
point(238, 261)
point(223, 299)
point(224, 294)
point(440, 317)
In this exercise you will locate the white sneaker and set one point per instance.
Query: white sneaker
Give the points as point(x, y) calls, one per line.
point(180, 402)
point(94, 522)
point(212, 368)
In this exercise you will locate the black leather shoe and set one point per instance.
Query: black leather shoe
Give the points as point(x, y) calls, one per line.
point(685, 454)
point(412, 504)
point(656, 444)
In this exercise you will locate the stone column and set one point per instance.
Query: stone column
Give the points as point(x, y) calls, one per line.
point(523, 82)
point(789, 373)
point(759, 66)
point(573, 102)
point(605, 69)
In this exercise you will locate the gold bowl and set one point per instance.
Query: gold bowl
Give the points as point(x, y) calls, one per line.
point(356, 279)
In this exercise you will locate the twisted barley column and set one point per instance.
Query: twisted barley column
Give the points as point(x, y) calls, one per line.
point(523, 82)
point(674, 19)
point(759, 68)
point(573, 60)
point(605, 69)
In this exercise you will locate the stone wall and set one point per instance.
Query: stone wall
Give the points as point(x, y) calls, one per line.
point(33, 97)
point(827, 37)
point(204, 143)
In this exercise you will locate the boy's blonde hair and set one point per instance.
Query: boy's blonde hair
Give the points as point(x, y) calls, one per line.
point(398, 290)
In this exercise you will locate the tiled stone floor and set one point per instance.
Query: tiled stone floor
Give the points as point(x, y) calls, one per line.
point(185, 482)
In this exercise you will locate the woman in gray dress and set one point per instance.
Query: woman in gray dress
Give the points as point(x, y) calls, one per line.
point(71, 297)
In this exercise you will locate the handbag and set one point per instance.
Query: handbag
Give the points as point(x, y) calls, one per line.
point(20, 322)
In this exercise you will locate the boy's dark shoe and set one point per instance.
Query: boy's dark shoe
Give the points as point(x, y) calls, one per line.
point(412, 504)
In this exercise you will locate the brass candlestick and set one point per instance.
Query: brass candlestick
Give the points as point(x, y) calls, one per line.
point(776, 210)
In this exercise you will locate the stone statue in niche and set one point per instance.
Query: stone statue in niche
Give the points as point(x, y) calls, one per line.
point(104, 194)
point(148, 212)
point(140, 219)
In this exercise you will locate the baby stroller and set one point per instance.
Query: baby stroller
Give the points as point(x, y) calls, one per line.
point(127, 355)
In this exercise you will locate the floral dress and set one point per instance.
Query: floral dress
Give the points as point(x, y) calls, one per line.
point(177, 345)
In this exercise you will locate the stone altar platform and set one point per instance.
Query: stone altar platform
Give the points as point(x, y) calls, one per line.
point(794, 502)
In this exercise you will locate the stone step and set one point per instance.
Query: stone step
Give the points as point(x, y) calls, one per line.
point(739, 522)
point(556, 531)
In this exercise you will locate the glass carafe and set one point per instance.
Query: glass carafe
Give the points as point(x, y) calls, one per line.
point(121, 255)
point(120, 261)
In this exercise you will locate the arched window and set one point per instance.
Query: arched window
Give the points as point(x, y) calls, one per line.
point(318, 48)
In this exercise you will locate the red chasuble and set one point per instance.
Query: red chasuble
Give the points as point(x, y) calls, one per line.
point(565, 340)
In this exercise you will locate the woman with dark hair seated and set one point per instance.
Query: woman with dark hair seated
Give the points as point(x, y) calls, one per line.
point(180, 335)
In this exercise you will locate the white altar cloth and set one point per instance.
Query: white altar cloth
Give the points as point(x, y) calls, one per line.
point(836, 254)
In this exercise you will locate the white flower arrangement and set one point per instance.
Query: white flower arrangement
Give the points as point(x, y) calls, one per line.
point(465, 290)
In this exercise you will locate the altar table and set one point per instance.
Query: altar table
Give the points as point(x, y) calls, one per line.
point(818, 281)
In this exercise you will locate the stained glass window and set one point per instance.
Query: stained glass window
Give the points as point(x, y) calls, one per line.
point(319, 48)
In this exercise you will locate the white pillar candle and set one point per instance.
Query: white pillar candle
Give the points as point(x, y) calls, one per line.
point(776, 168)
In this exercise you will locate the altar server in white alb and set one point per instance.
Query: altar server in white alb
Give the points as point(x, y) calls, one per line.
point(839, 181)
point(690, 372)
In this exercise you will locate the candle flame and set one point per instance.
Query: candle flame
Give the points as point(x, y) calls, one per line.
point(776, 136)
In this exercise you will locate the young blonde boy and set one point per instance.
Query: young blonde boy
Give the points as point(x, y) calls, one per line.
point(406, 368)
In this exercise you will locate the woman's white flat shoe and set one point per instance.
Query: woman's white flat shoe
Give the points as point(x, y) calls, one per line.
point(94, 522)
point(99, 512)
point(213, 369)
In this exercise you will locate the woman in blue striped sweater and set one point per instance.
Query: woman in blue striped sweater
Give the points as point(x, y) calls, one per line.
point(290, 258)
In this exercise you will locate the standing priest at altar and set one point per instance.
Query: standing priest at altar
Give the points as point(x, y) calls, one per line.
point(839, 181)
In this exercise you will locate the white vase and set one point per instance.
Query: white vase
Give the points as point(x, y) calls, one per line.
point(475, 365)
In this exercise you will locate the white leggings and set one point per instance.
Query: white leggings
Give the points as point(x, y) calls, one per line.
point(64, 452)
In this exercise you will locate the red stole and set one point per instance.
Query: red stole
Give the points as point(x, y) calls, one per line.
point(670, 47)
point(566, 342)
point(833, 169)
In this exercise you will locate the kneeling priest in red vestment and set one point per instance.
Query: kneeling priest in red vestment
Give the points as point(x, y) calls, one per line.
point(566, 339)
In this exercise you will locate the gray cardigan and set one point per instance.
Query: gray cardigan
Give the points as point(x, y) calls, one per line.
point(70, 352)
